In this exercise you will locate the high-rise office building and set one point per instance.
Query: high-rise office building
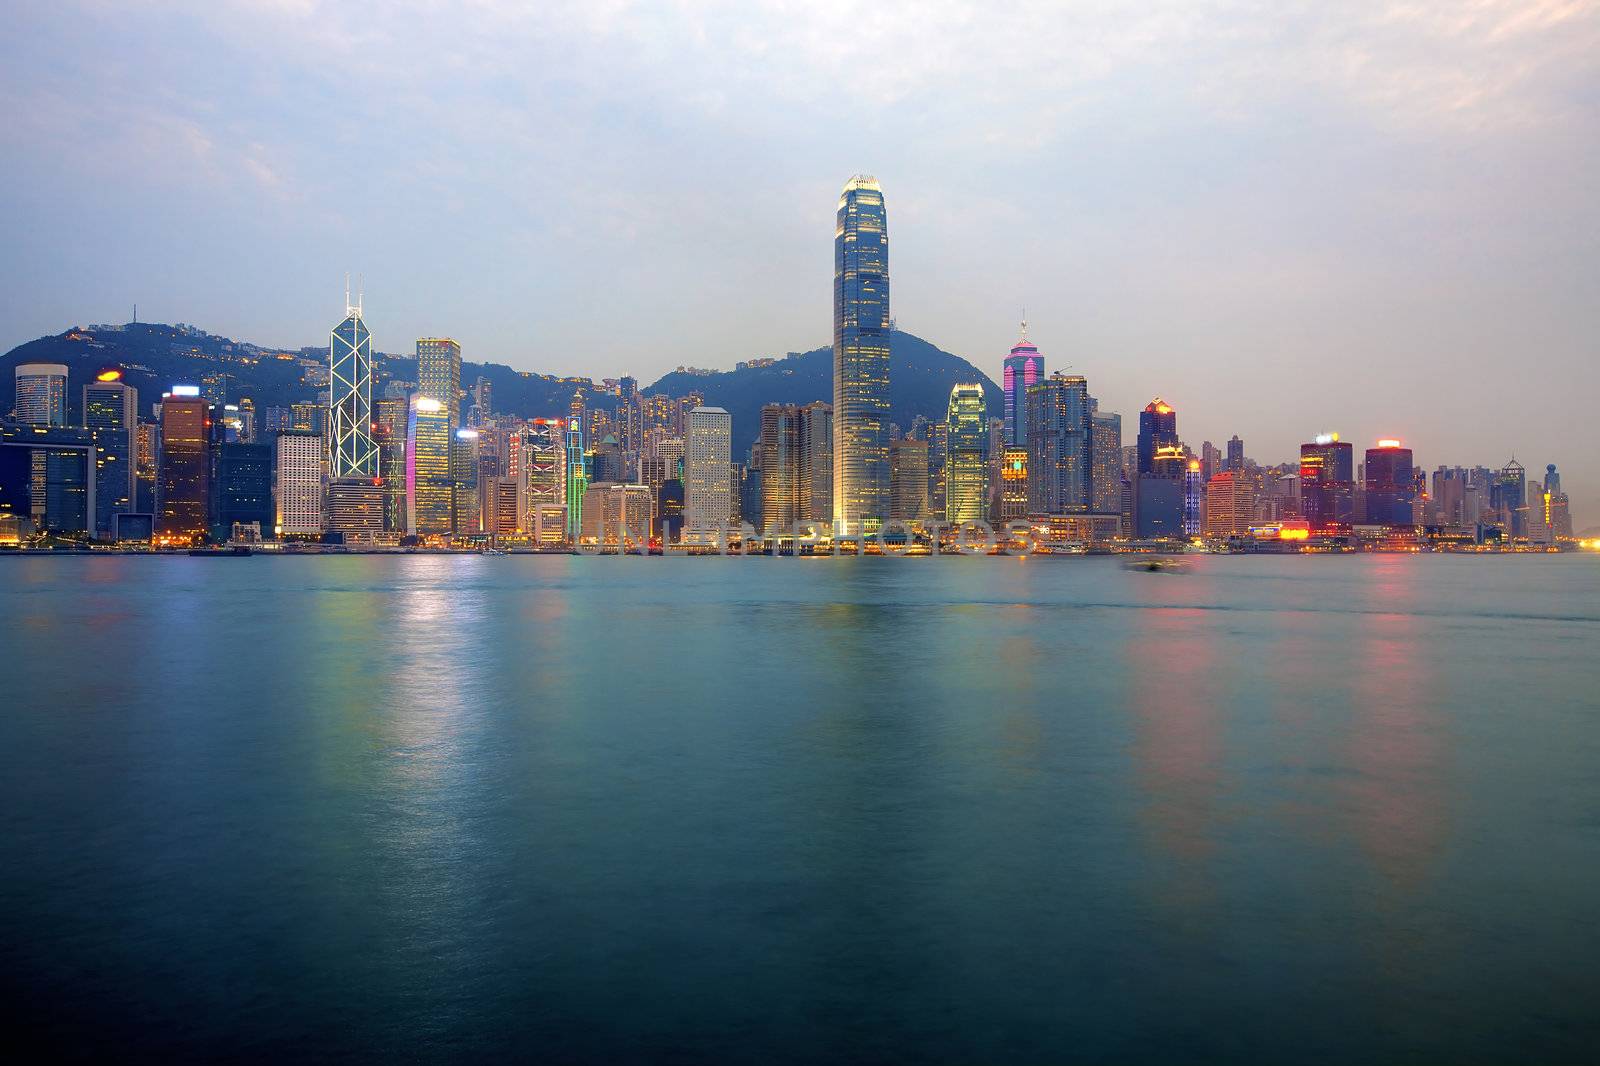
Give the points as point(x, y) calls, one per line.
point(708, 470)
point(1230, 504)
point(1390, 484)
point(297, 484)
point(815, 490)
point(861, 329)
point(1327, 481)
point(430, 486)
point(183, 502)
point(147, 450)
point(243, 488)
point(46, 479)
point(439, 375)
point(1235, 453)
point(1158, 427)
point(1508, 498)
point(1105, 463)
point(1060, 447)
point(391, 419)
point(577, 475)
point(967, 463)
point(542, 470)
point(352, 451)
point(41, 394)
point(908, 479)
point(1194, 488)
point(1022, 370)
point(111, 412)
point(778, 449)
point(1013, 482)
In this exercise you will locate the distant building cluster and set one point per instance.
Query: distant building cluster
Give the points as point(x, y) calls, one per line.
point(432, 463)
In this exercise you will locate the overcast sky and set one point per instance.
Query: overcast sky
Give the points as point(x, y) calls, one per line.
point(1283, 218)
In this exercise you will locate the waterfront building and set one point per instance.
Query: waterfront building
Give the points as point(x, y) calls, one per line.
point(1508, 499)
point(669, 510)
point(861, 337)
point(1558, 515)
point(1014, 482)
point(1060, 445)
point(297, 485)
point(815, 490)
point(1194, 498)
point(356, 509)
point(147, 445)
point(41, 394)
point(615, 513)
point(466, 517)
point(779, 461)
point(908, 479)
point(967, 462)
point(110, 413)
point(541, 472)
point(47, 479)
point(708, 471)
point(577, 480)
point(243, 489)
point(1230, 504)
point(1023, 369)
point(1327, 485)
point(1105, 462)
point(352, 451)
point(183, 496)
point(1390, 484)
point(391, 422)
point(430, 485)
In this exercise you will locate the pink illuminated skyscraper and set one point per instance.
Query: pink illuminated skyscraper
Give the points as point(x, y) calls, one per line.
point(1023, 369)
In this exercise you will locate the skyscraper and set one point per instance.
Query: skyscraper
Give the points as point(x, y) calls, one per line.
point(780, 464)
point(708, 482)
point(967, 464)
point(439, 375)
point(1060, 450)
point(42, 394)
point(1022, 370)
point(352, 452)
point(1235, 453)
point(815, 490)
point(1390, 484)
point(391, 419)
point(1508, 498)
point(1158, 426)
point(183, 501)
point(430, 487)
point(860, 360)
point(1105, 465)
point(110, 411)
point(1327, 481)
point(243, 488)
point(577, 478)
point(297, 484)
point(908, 479)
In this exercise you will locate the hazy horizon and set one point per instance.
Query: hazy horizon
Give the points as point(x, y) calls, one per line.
point(1375, 219)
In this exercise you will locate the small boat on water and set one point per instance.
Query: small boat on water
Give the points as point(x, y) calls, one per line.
point(1153, 564)
point(491, 551)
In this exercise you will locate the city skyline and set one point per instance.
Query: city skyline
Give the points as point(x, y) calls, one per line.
point(1217, 207)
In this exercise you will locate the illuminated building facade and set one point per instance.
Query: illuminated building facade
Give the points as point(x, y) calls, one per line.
point(908, 479)
point(542, 470)
point(297, 485)
point(1390, 484)
point(861, 328)
point(355, 509)
point(967, 462)
point(439, 375)
point(1508, 499)
point(430, 485)
point(391, 421)
point(1194, 488)
point(1327, 481)
point(1105, 463)
point(183, 494)
point(110, 413)
point(1013, 482)
point(577, 477)
point(708, 470)
point(467, 517)
point(1021, 371)
point(46, 479)
point(352, 452)
point(1158, 428)
point(1060, 447)
point(1235, 453)
point(780, 464)
point(41, 394)
point(1230, 504)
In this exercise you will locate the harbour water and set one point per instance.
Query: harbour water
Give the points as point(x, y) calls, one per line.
point(983, 810)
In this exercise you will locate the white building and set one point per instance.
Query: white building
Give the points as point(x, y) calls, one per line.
point(42, 394)
point(708, 471)
point(297, 489)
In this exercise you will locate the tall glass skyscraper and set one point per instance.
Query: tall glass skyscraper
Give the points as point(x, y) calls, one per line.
point(111, 411)
point(353, 452)
point(967, 463)
point(1023, 369)
point(860, 359)
point(439, 375)
point(42, 394)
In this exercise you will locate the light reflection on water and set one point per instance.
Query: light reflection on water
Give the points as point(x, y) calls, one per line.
point(965, 810)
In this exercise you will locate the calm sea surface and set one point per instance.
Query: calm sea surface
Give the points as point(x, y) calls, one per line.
point(1271, 810)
